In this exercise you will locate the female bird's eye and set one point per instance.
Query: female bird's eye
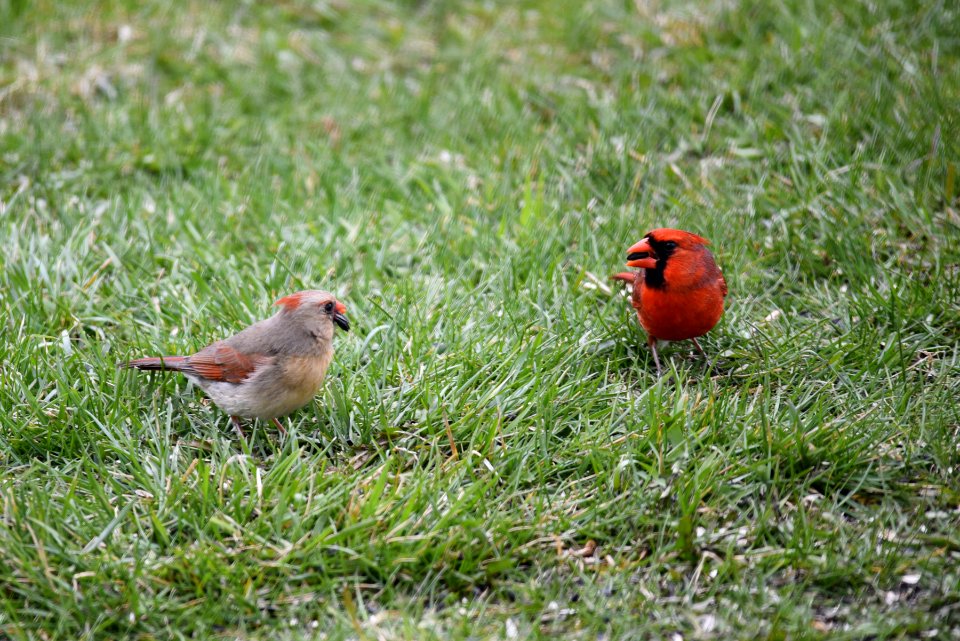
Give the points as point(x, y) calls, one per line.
point(328, 308)
point(669, 244)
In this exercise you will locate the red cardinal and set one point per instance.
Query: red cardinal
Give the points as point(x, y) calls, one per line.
point(678, 292)
point(272, 367)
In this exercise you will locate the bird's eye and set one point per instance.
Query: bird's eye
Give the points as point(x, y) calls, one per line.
point(328, 308)
point(669, 244)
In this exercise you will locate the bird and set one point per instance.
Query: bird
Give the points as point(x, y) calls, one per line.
point(679, 291)
point(269, 369)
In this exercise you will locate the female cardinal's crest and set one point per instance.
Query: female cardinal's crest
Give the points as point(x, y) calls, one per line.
point(290, 302)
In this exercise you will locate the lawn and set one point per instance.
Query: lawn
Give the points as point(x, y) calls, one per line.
point(493, 455)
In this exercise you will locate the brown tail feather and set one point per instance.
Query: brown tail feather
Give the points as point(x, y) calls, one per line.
point(627, 277)
point(174, 363)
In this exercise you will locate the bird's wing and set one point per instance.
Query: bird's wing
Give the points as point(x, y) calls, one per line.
point(220, 362)
point(723, 286)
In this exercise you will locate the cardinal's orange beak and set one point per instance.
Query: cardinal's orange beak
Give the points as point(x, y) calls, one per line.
point(340, 317)
point(642, 255)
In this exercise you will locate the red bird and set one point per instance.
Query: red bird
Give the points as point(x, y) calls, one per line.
point(678, 292)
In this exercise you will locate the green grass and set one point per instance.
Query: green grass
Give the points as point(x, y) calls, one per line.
point(492, 455)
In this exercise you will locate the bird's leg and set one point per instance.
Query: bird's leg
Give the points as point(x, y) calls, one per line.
point(236, 423)
point(705, 357)
point(652, 342)
point(279, 426)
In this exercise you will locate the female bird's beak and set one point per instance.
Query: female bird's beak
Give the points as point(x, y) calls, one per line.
point(340, 319)
point(642, 255)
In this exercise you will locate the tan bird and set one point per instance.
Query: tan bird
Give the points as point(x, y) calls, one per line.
point(269, 369)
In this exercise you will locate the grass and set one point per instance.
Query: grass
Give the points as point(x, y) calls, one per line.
point(492, 455)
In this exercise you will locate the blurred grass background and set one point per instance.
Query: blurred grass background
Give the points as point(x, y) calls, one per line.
point(492, 455)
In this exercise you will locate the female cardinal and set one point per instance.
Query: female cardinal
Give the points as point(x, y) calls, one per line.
point(272, 367)
point(678, 293)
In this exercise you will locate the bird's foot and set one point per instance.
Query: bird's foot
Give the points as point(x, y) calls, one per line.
point(656, 359)
point(280, 426)
point(704, 354)
point(236, 423)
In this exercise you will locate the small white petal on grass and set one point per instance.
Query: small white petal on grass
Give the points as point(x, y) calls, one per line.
point(65, 343)
point(708, 623)
point(772, 316)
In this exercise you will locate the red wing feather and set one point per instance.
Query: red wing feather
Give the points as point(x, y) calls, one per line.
point(221, 362)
